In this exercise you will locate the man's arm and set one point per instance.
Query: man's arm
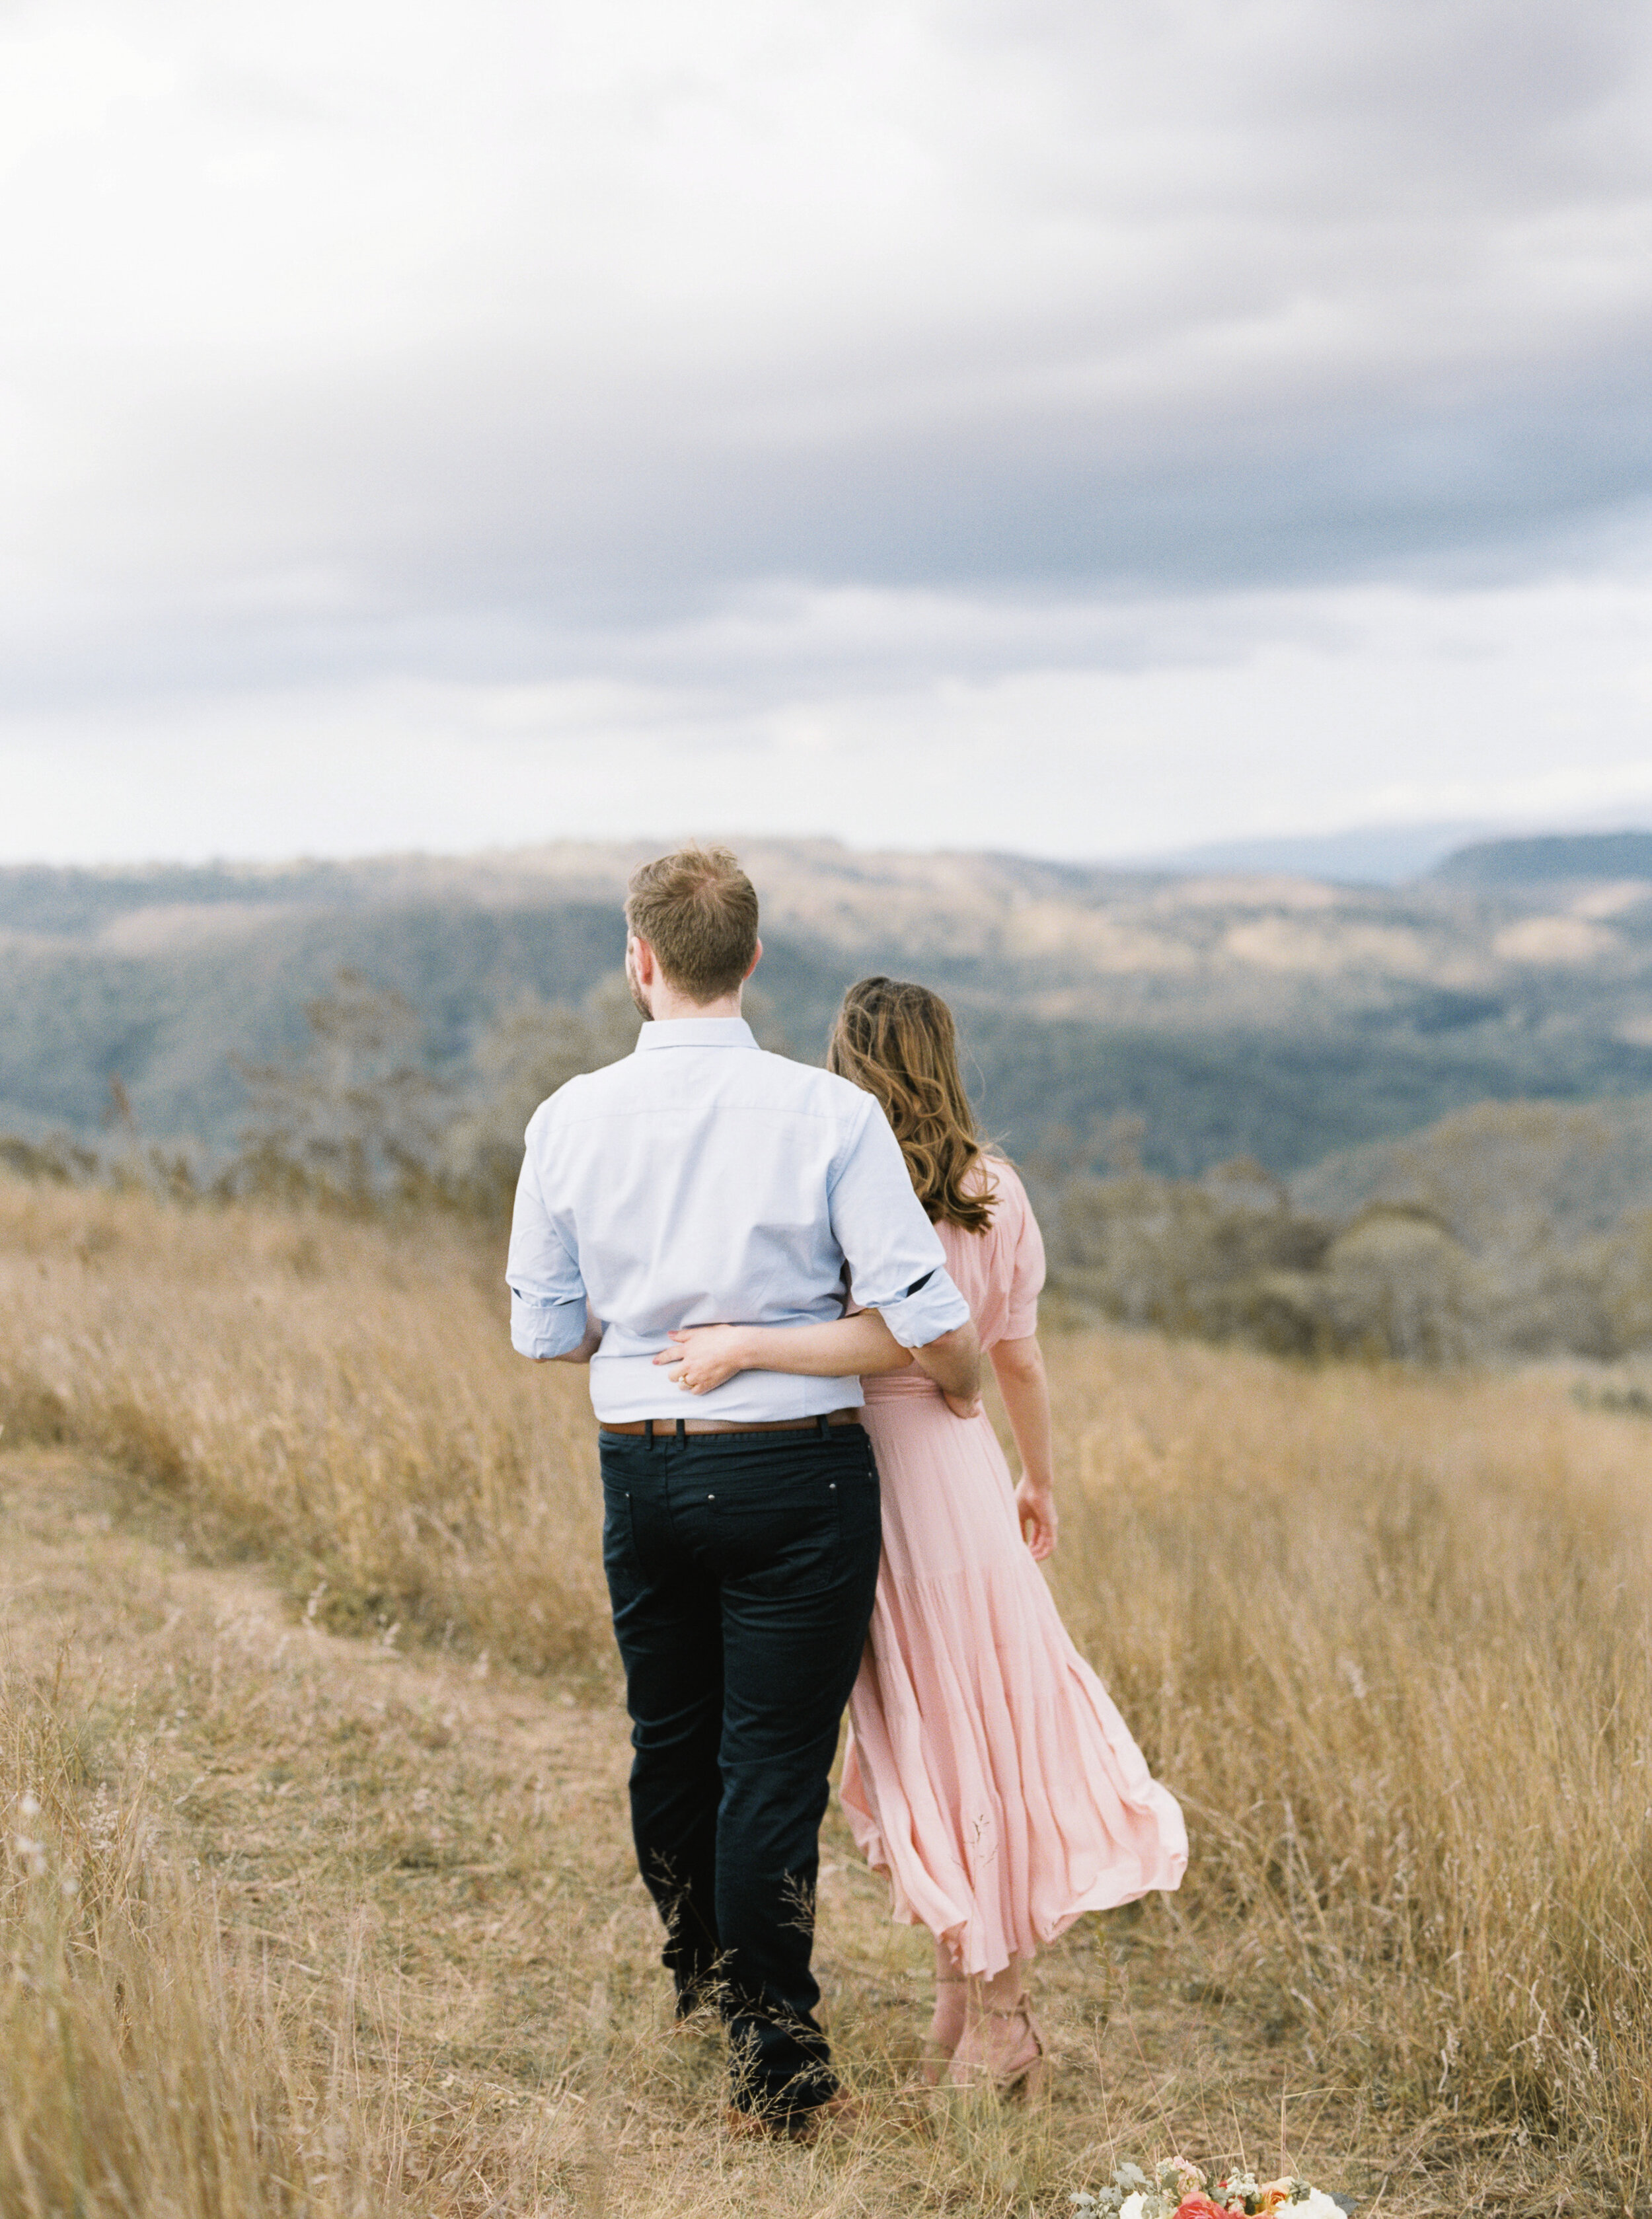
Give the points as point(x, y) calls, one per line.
point(954, 1363)
point(589, 1345)
point(897, 1264)
point(551, 1318)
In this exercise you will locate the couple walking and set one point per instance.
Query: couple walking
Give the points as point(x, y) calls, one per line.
point(783, 1279)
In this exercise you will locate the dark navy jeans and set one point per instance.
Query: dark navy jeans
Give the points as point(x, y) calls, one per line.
point(741, 1568)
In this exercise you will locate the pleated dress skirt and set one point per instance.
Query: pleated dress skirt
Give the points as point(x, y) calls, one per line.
point(989, 1773)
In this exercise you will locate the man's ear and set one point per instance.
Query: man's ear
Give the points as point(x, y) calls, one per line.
point(757, 958)
point(642, 961)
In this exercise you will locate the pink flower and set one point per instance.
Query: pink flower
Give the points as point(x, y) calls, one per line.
point(1200, 2207)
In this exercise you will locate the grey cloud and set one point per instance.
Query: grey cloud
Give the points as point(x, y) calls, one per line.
point(601, 523)
point(1241, 296)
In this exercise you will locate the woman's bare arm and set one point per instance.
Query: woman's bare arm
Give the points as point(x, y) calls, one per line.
point(703, 1356)
point(861, 1347)
point(1018, 1366)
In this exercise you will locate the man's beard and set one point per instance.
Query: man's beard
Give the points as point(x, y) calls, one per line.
point(636, 993)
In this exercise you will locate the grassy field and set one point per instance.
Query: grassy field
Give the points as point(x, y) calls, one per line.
point(318, 1896)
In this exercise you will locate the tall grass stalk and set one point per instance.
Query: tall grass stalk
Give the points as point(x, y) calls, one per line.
point(143, 2065)
point(342, 1394)
point(1388, 1634)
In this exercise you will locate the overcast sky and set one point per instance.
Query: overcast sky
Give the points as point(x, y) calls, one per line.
point(1086, 426)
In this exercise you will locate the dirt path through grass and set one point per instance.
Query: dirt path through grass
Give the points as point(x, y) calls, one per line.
point(438, 1851)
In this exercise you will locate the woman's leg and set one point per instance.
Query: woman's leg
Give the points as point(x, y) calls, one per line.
point(1002, 1992)
point(947, 2024)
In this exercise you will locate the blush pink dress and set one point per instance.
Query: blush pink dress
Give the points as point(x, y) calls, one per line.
point(989, 1773)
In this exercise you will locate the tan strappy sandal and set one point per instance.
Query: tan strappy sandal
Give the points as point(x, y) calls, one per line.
point(1023, 2076)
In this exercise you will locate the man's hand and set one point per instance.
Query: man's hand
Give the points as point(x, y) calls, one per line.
point(702, 1356)
point(954, 1363)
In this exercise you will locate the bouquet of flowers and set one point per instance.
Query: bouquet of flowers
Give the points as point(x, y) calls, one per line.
point(1179, 2189)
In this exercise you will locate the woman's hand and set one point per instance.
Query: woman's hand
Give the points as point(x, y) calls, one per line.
point(962, 1408)
point(703, 1356)
point(1035, 1508)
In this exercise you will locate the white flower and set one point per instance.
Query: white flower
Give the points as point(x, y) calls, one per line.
point(1132, 2206)
point(1316, 2204)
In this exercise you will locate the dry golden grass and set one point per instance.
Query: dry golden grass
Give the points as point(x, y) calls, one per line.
point(1388, 1636)
point(344, 1397)
point(147, 2064)
point(398, 1906)
point(1385, 1634)
point(262, 1996)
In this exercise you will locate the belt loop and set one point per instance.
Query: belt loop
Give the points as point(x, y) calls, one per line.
point(682, 1431)
point(648, 1431)
point(824, 1423)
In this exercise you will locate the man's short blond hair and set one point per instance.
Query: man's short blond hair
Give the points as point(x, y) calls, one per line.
point(697, 912)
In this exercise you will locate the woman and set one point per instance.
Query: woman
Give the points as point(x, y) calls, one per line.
point(988, 1774)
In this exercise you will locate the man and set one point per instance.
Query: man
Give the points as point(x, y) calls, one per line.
point(701, 1181)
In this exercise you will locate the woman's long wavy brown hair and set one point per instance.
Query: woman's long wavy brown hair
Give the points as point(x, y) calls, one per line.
point(898, 1042)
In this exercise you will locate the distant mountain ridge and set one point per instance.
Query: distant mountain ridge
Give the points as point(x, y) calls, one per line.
point(1273, 1015)
point(1551, 858)
point(1365, 856)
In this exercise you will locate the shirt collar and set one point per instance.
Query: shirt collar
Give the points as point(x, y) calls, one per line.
point(695, 1032)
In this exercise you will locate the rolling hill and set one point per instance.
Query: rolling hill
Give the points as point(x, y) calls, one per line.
point(1194, 1017)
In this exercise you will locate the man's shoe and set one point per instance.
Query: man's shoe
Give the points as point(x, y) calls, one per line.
point(743, 2126)
point(839, 2114)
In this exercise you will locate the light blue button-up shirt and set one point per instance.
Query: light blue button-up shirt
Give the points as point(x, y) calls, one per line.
point(703, 1182)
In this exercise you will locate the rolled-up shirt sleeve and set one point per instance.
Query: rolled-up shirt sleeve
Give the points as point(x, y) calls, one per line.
point(897, 1264)
point(547, 1303)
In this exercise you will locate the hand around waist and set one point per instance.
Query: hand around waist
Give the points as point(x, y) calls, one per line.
point(702, 1356)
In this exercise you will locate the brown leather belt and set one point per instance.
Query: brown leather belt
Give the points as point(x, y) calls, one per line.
point(666, 1428)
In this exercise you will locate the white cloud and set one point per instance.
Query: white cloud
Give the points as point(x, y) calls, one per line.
point(1255, 714)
